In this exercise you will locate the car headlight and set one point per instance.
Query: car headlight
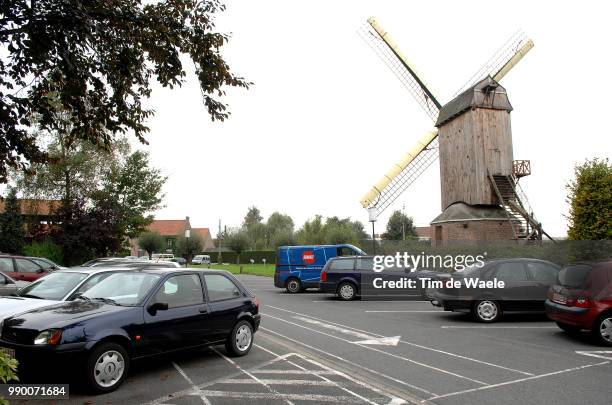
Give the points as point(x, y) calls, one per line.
point(48, 337)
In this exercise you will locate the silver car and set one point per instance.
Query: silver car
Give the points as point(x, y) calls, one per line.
point(9, 286)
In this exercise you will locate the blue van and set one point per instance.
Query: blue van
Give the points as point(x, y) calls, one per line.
point(299, 267)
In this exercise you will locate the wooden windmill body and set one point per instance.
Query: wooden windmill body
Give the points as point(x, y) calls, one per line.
point(475, 140)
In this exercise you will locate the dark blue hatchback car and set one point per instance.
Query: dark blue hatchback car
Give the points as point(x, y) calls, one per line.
point(135, 314)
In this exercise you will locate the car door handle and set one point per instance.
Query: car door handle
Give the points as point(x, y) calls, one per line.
point(203, 310)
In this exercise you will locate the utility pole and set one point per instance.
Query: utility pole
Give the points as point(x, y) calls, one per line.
point(403, 222)
point(219, 243)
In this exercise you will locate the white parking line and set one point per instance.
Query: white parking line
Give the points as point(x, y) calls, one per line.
point(600, 354)
point(535, 377)
point(195, 388)
point(416, 345)
point(328, 354)
point(383, 352)
point(341, 374)
point(272, 391)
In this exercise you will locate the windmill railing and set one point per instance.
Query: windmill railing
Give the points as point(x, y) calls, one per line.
point(521, 168)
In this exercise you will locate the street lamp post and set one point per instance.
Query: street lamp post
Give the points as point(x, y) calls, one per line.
point(373, 214)
point(187, 236)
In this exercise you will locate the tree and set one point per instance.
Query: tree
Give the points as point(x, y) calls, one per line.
point(189, 247)
point(115, 207)
point(590, 200)
point(151, 242)
point(133, 190)
point(252, 217)
point(238, 241)
point(283, 238)
point(75, 169)
point(398, 226)
point(339, 231)
point(98, 58)
point(254, 228)
point(312, 232)
point(278, 227)
point(12, 233)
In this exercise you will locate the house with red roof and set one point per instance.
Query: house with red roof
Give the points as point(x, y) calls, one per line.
point(171, 230)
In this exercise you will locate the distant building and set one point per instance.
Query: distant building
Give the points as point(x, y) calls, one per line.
point(423, 233)
point(38, 215)
point(170, 230)
point(204, 234)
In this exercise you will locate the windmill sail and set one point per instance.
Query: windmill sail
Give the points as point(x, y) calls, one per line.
point(425, 152)
point(387, 50)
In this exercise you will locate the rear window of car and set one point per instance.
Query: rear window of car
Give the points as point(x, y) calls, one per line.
point(575, 276)
point(342, 264)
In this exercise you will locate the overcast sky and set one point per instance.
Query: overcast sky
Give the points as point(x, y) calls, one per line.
point(326, 118)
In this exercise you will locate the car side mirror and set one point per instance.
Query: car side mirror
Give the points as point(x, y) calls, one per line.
point(40, 271)
point(158, 306)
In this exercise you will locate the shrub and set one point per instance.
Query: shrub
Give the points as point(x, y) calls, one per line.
point(47, 249)
point(8, 372)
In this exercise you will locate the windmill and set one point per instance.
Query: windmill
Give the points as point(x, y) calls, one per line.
point(481, 196)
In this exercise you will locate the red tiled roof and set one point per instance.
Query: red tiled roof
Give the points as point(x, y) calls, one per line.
point(204, 233)
point(35, 207)
point(169, 227)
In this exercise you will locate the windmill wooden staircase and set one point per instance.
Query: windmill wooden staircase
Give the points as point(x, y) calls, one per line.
point(519, 212)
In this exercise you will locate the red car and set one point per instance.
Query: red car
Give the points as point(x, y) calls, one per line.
point(23, 268)
point(582, 299)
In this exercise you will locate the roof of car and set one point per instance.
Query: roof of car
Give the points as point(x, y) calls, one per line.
point(102, 269)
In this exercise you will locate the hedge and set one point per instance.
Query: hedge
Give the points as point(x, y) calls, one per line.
point(245, 257)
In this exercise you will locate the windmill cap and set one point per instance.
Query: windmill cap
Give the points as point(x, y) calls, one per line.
point(486, 93)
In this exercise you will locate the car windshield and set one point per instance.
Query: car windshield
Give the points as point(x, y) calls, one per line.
point(574, 276)
point(122, 288)
point(43, 262)
point(54, 286)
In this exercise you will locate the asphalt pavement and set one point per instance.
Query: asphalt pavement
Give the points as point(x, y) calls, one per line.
point(314, 349)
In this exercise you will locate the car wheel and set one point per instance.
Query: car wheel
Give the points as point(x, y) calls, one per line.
point(486, 311)
point(602, 329)
point(293, 286)
point(107, 367)
point(347, 291)
point(566, 327)
point(240, 340)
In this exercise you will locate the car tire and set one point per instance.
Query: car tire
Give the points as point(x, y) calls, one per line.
point(602, 329)
point(293, 286)
point(107, 367)
point(240, 339)
point(567, 328)
point(486, 311)
point(347, 291)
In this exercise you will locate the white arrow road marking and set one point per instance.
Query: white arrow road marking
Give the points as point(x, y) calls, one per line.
point(600, 354)
point(365, 338)
point(385, 341)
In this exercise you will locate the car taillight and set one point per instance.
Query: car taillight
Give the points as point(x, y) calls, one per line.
point(256, 302)
point(323, 276)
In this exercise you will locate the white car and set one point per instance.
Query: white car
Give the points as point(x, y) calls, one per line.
point(60, 285)
point(201, 259)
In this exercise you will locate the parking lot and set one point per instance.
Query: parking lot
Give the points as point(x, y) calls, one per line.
point(312, 348)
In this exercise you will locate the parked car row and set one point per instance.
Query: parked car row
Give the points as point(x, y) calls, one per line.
point(577, 297)
point(97, 319)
